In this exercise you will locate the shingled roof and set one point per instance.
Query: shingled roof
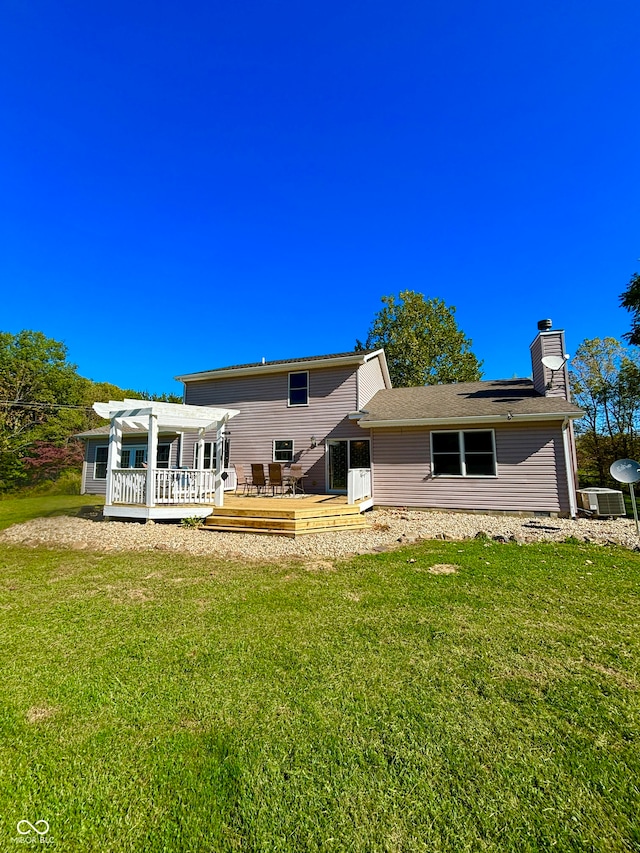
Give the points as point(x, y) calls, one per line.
point(284, 364)
point(465, 401)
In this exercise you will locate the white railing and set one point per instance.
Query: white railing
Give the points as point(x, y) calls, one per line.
point(129, 486)
point(184, 487)
point(231, 483)
point(358, 484)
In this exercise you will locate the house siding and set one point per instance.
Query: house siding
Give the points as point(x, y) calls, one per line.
point(265, 416)
point(370, 381)
point(91, 486)
point(530, 466)
point(546, 344)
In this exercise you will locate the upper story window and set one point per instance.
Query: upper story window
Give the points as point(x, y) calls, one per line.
point(461, 453)
point(299, 388)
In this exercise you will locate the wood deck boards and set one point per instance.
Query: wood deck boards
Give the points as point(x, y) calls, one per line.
point(286, 516)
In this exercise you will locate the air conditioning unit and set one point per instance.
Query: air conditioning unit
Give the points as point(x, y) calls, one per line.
point(601, 501)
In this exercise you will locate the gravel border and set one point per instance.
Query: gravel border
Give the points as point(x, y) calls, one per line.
point(389, 528)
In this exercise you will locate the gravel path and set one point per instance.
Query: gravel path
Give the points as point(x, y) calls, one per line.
point(389, 529)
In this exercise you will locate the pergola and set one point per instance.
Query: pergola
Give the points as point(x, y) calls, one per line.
point(161, 493)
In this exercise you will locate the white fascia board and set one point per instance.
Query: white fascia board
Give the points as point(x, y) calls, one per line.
point(137, 412)
point(287, 367)
point(379, 353)
point(482, 419)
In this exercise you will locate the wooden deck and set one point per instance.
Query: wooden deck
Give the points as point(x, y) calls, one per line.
point(286, 516)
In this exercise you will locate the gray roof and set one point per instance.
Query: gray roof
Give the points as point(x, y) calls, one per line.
point(259, 365)
point(481, 401)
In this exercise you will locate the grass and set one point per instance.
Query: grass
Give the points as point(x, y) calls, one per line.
point(17, 510)
point(170, 703)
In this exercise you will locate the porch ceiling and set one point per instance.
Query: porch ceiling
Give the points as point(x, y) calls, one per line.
point(135, 413)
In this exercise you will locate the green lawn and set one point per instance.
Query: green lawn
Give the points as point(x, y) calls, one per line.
point(16, 510)
point(167, 703)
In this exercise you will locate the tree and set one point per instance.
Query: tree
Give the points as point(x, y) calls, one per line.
point(605, 381)
point(41, 398)
point(630, 300)
point(422, 342)
point(46, 461)
point(43, 403)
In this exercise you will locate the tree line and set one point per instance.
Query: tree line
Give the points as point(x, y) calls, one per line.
point(44, 402)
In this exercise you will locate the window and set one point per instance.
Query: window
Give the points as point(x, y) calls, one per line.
point(283, 450)
point(209, 461)
point(359, 456)
point(100, 466)
point(164, 455)
point(299, 388)
point(133, 457)
point(463, 454)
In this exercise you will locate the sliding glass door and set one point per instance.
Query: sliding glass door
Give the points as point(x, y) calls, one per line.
point(342, 455)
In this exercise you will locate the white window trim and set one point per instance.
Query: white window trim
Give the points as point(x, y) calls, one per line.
point(212, 456)
point(273, 450)
point(96, 463)
point(289, 403)
point(464, 475)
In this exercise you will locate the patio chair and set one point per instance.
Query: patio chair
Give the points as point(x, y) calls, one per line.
point(275, 477)
point(241, 480)
point(258, 479)
point(297, 478)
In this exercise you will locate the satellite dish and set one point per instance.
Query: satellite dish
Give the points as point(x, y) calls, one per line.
point(625, 471)
point(553, 362)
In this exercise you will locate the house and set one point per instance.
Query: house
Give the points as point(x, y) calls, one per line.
point(502, 445)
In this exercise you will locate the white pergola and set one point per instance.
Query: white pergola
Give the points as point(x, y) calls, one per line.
point(162, 493)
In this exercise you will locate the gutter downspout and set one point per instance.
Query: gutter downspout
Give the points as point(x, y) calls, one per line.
point(568, 459)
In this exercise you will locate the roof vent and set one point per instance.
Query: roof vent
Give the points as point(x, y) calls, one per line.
point(544, 325)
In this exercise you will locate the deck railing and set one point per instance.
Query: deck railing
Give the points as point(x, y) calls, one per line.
point(170, 486)
point(358, 484)
point(184, 487)
point(129, 486)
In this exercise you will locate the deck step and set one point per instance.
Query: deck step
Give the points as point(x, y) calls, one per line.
point(314, 511)
point(291, 533)
point(286, 517)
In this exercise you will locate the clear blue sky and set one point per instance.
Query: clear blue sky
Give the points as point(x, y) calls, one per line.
point(189, 185)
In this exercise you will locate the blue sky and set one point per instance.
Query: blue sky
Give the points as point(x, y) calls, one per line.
point(186, 186)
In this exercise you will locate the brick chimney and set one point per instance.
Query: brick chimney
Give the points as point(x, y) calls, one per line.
point(548, 345)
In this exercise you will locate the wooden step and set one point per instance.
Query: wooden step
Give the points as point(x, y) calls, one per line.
point(286, 517)
point(317, 511)
point(292, 534)
point(284, 523)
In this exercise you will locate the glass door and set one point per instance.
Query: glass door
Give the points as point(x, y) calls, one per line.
point(338, 465)
point(353, 453)
point(133, 457)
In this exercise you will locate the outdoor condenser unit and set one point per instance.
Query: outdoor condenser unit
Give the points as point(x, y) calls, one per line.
point(602, 501)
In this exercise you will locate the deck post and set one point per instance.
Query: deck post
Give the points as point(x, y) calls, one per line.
point(152, 455)
point(218, 498)
point(114, 456)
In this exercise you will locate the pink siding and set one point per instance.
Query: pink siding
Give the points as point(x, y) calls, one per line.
point(265, 416)
point(531, 472)
point(370, 381)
